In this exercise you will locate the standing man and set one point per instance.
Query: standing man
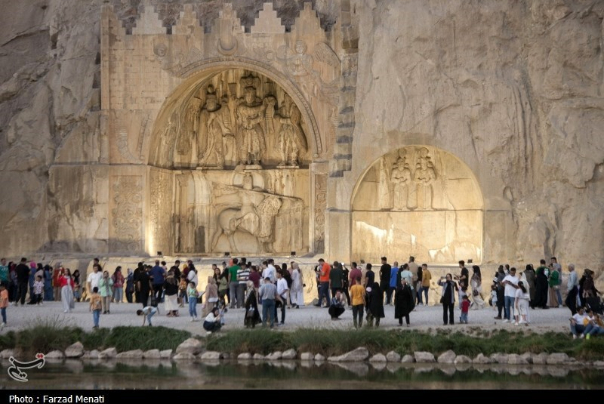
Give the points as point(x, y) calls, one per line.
point(426, 278)
point(93, 278)
point(234, 283)
point(385, 280)
point(324, 282)
point(243, 275)
point(267, 293)
point(335, 278)
point(158, 276)
point(413, 267)
point(511, 284)
point(355, 272)
point(283, 292)
point(22, 280)
point(572, 288)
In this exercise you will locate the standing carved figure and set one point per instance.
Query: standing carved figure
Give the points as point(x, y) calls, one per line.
point(214, 127)
point(401, 179)
point(250, 115)
point(425, 175)
point(190, 128)
point(291, 136)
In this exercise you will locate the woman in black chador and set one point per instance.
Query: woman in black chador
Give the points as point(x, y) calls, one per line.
point(375, 305)
point(403, 302)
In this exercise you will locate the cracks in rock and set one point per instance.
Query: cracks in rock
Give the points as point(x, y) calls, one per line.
point(24, 34)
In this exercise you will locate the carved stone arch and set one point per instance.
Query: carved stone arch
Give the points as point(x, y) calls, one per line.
point(418, 200)
point(195, 75)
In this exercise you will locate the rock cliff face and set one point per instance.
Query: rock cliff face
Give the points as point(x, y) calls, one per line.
point(512, 89)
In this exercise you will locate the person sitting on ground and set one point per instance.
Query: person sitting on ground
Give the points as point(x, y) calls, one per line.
point(594, 326)
point(337, 307)
point(578, 322)
point(212, 322)
point(147, 312)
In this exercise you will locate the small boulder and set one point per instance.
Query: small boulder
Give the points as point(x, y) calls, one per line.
point(191, 345)
point(75, 350)
point(424, 357)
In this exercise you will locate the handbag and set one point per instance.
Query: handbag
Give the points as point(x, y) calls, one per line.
point(250, 313)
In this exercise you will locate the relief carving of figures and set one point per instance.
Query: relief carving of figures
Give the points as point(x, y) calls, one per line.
point(127, 213)
point(190, 127)
point(250, 116)
point(255, 215)
point(291, 135)
point(214, 127)
point(384, 197)
point(403, 188)
point(424, 177)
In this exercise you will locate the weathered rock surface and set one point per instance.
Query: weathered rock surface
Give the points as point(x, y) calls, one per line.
point(512, 90)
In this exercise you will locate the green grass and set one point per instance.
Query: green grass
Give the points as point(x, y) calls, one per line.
point(47, 334)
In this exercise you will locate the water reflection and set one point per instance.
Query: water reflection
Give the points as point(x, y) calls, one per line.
point(249, 374)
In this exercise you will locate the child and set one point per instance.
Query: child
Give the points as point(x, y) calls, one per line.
point(147, 313)
point(3, 303)
point(521, 303)
point(96, 305)
point(493, 300)
point(192, 295)
point(182, 291)
point(463, 291)
point(38, 290)
point(465, 307)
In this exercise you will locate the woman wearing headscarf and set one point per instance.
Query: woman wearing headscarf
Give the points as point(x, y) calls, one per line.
point(171, 295)
point(252, 315)
point(211, 295)
point(403, 302)
point(297, 289)
point(66, 283)
point(476, 282)
point(449, 287)
point(48, 283)
point(129, 285)
point(529, 273)
point(375, 305)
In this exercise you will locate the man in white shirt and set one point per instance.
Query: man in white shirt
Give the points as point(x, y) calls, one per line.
point(268, 271)
point(577, 322)
point(283, 292)
point(572, 288)
point(92, 280)
point(511, 284)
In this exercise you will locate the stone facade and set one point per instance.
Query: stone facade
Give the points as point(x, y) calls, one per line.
point(347, 128)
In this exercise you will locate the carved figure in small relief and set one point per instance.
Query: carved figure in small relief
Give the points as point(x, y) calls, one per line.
point(291, 135)
point(191, 127)
point(425, 175)
point(384, 196)
point(213, 120)
point(401, 179)
point(250, 115)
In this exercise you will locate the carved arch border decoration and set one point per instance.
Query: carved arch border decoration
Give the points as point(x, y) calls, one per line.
point(417, 200)
point(204, 67)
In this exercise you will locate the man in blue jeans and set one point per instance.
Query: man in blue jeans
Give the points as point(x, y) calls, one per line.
point(268, 293)
point(510, 283)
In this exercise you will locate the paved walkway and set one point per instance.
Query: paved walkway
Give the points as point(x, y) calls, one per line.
point(424, 318)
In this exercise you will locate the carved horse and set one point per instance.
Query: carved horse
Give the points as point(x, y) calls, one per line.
point(259, 222)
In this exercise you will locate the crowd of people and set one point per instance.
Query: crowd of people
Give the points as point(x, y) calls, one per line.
point(267, 291)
